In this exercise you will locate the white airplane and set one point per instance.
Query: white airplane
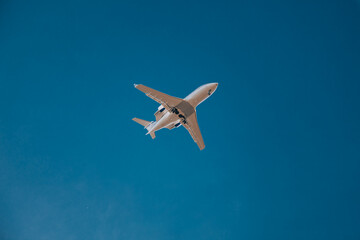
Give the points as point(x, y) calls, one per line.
point(174, 111)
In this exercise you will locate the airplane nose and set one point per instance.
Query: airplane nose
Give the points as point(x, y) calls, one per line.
point(215, 85)
point(211, 87)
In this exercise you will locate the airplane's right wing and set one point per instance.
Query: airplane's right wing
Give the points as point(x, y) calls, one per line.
point(166, 100)
point(193, 127)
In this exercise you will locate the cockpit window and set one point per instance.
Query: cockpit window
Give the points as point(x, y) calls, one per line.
point(209, 92)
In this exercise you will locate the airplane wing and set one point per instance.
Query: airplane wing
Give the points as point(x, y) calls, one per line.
point(166, 100)
point(193, 127)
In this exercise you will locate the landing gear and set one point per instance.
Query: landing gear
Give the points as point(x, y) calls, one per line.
point(174, 110)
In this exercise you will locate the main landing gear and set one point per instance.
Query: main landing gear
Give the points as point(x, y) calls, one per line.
point(183, 119)
point(174, 110)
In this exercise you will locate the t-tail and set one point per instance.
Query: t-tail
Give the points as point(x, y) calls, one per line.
point(146, 124)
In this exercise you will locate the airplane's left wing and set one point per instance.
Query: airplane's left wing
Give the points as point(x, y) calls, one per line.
point(166, 100)
point(193, 127)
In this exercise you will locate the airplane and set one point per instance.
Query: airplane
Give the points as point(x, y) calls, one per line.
point(174, 112)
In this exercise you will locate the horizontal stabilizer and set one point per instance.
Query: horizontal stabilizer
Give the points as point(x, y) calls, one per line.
point(152, 135)
point(142, 122)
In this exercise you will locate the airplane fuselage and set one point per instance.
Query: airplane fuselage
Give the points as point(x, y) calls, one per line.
point(177, 115)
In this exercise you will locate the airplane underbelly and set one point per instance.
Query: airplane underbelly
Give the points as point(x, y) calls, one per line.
point(166, 120)
point(186, 108)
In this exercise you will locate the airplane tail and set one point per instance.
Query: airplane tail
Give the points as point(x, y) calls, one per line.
point(152, 134)
point(145, 124)
point(142, 122)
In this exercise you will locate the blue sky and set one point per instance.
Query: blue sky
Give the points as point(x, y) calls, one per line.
point(282, 133)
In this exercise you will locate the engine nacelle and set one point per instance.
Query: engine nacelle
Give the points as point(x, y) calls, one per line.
point(160, 112)
point(161, 108)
